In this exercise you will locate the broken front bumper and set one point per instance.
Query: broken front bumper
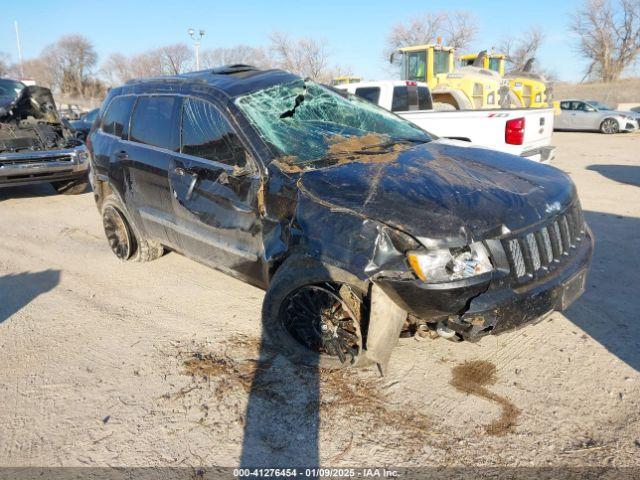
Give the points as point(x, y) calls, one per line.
point(490, 307)
point(46, 166)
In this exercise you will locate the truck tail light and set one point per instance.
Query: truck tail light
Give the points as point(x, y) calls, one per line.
point(411, 84)
point(514, 131)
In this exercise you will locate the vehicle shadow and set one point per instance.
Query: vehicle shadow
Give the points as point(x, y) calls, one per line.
point(608, 310)
point(629, 174)
point(282, 417)
point(27, 191)
point(18, 290)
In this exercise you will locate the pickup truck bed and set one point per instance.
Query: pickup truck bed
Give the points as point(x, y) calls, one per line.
point(523, 132)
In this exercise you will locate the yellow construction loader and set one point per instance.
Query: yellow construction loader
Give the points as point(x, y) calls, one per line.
point(531, 89)
point(467, 87)
point(345, 80)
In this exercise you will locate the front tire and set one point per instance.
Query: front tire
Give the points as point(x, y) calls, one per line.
point(315, 318)
point(125, 241)
point(609, 126)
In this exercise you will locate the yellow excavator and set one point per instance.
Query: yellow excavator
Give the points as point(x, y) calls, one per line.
point(462, 88)
point(532, 89)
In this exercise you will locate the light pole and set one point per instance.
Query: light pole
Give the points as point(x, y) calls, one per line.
point(196, 43)
point(15, 24)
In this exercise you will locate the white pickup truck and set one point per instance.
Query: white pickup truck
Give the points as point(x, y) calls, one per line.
point(523, 132)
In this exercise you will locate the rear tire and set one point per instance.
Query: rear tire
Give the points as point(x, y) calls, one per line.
point(609, 126)
point(71, 187)
point(314, 318)
point(125, 241)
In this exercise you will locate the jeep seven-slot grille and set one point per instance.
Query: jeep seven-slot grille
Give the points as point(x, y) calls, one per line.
point(536, 252)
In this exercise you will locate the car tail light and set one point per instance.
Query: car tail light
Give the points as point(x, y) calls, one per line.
point(514, 131)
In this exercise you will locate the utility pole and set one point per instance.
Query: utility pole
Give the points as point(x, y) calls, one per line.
point(15, 24)
point(197, 38)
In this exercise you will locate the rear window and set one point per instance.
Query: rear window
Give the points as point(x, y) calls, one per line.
point(116, 120)
point(155, 122)
point(369, 93)
point(411, 98)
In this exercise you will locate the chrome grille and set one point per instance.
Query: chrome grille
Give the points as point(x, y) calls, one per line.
point(536, 252)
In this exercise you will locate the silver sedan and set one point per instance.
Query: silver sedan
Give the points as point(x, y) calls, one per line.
point(593, 115)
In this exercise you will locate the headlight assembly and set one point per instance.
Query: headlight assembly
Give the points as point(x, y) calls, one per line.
point(450, 264)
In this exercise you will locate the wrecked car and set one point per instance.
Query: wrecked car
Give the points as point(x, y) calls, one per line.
point(360, 226)
point(35, 146)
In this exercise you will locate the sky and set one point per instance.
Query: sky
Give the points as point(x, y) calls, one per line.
point(355, 31)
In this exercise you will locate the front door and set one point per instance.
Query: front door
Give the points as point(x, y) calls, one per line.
point(215, 188)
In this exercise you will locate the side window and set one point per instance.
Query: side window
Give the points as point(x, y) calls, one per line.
point(207, 134)
point(565, 105)
point(424, 99)
point(116, 120)
point(400, 101)
point(580, 106)
point(155, 122)
point(369, 93)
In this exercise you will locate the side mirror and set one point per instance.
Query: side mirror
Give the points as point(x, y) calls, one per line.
point(392, 57)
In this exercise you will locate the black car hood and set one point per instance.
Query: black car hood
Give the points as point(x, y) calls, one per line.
point(444, 193)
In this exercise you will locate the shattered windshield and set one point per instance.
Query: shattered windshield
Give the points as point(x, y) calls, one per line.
point(306, 122)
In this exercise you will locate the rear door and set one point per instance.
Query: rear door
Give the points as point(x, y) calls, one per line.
point(563, 120)
point(582, 118)
point(154, 139)
point(215, 188)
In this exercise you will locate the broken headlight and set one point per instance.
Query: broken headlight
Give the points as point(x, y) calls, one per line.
point(450, 264)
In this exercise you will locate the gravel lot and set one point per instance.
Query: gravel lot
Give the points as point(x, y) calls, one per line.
point(160, 364)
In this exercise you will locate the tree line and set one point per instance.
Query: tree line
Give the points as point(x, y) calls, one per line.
point(606, 33)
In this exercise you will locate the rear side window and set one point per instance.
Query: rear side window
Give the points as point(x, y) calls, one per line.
point(565, 105)
point(411, 98)
point(155, 122)
point(400, 101)
point(207, 134)
point(116, 120)
point(424, 99)
point(369, 93)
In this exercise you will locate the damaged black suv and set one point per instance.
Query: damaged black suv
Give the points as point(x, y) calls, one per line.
point(357, 223)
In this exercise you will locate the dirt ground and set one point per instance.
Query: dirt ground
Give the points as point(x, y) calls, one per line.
point(161, 364)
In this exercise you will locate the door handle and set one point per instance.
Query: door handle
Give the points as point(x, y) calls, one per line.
point(122, 155)
point(192, 185)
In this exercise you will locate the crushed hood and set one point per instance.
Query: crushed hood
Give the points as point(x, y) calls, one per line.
point(441, 192)
point(36, 102)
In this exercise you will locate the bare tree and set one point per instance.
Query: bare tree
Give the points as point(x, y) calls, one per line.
point(256, 56)
point(609, 36)
point(74, 57)
point(116, 69)
point(459, 29)
point(304, 56)
point(176, 58)
point(4, 64)
point(521, 48)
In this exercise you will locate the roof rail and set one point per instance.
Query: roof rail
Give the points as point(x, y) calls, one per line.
point(234, 68)
point(163, 78)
